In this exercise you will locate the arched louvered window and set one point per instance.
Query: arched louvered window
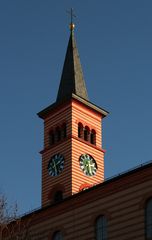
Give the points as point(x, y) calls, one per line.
point(64, 130)
point(101, 228)
point(93, 137)
point(86, 133)
point(80, 130)
point(51, 138)
point(148, 214)
point(57, 236)
point(58, 134)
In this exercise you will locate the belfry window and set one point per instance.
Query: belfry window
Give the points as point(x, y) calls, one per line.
point(101, 228)
point(148, 222)
point(64, 130)
point(57, 236)
point(86, 134)
point(58, 134)
point(93, 137)
point(51, 138)
point(80, 130)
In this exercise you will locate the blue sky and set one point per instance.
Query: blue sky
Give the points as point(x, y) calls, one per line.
point(114, 39)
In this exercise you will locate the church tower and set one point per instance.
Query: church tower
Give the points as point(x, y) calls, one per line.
point(72, 158)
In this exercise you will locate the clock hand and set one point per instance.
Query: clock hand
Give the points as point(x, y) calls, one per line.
point(89, 168)
point(90, 165)
point(58, 162)
point(55, 166)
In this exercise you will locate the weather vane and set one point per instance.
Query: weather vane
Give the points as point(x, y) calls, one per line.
point(72, 15)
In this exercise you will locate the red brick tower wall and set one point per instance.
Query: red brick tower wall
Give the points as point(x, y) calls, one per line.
point(91, 119)
point(71, 179)
point(50, 184)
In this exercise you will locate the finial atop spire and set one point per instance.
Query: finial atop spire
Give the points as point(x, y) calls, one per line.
point(72, 25)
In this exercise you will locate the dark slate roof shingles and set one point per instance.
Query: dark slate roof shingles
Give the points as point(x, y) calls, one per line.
point(72, 81)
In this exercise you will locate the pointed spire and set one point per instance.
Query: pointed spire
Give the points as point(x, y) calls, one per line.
point(72, 84)
point(72, 81)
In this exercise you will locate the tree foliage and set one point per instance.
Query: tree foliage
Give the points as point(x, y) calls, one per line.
point(8, 212)
point(11, 226)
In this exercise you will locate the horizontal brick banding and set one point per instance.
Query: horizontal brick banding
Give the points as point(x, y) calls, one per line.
point(72, 177)
point(119, 199)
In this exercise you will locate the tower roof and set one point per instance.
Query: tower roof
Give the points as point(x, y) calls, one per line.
point(72, 84)
point(72, 81)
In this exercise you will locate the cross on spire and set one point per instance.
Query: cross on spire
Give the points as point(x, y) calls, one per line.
point(72, 15)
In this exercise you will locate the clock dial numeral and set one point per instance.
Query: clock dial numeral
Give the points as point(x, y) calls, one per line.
point(56, 165)
point(88, 165)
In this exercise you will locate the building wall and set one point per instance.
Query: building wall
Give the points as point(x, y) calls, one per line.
point(121, 200)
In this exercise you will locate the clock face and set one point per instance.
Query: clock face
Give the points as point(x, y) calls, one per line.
point(88, 164)
point(56, 165)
